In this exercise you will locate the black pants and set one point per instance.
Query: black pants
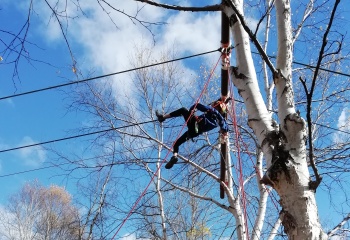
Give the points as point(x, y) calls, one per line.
point(190, 133)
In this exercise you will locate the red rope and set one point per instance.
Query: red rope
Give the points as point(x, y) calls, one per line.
point(238, 136)
point(258, 173)
point(241, 181)
point(154, 175)
point(256, 169)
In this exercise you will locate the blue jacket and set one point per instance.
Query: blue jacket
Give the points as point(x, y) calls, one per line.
point(210, 119)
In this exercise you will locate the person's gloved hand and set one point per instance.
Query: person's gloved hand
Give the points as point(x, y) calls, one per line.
point(160, 117)
point(223, 136)
point(224, 129)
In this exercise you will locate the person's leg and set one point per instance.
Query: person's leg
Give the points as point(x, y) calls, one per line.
point(191, 121)
point(180, 112)
point(177, 113)
point(180, 141)
point(177, 144)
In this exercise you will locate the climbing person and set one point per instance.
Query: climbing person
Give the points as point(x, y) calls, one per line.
point(211, 118)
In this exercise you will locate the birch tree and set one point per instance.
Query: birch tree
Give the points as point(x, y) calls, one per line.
point(283, 143)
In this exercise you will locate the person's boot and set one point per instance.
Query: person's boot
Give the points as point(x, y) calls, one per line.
point(160, 117)
point(171, 163)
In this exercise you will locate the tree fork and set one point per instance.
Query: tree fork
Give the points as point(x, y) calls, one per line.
point(280, 158)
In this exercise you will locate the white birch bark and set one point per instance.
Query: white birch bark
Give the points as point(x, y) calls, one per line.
point(236, 210)
point(274, 230)
point(260, 217)
point(235, 206)
point(284, 146)
point(299, 210)
point(268, 86)
point(160, 195)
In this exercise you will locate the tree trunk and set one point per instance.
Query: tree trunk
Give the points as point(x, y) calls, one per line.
point(283, 145)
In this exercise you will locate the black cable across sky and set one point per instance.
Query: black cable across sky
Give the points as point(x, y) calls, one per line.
point(103, 76)
point(310, 66)
point(72, 137)
point(146, 66)
point(110, 129)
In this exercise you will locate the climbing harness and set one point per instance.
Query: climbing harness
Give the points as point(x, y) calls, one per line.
point(225, 56)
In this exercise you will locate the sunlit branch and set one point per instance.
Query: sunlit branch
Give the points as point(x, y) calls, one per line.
point(336, 228)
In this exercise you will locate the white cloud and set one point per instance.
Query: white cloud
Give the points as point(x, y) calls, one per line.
point(107, 45)
point(31, 156)
point(343, 124)
point(192, 33)
point(344, 120)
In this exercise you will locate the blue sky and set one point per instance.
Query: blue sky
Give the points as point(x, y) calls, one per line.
point(43, 116)
point(98, 45)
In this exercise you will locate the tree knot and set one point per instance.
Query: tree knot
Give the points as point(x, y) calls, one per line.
point(288, 222)
point(280, 156)
point(313, 185)
point(234, 71)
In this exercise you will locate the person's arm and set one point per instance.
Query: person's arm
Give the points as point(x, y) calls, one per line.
point(203, 108)
point(222, 122)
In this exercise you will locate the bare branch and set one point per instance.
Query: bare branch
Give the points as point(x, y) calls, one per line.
point(324, 44)
point(266, 15)
point(336, 228)
point(12, 46)
point(209, 8)
point(314, 184)
point(134, 19)
point(307, 13)
point(64, 36)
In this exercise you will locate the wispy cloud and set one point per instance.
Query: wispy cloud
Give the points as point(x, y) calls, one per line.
point(343, 124)
point(9, 102)
point(344, 120)
point(31, 156)
point(108, 47)
point(191, 33)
